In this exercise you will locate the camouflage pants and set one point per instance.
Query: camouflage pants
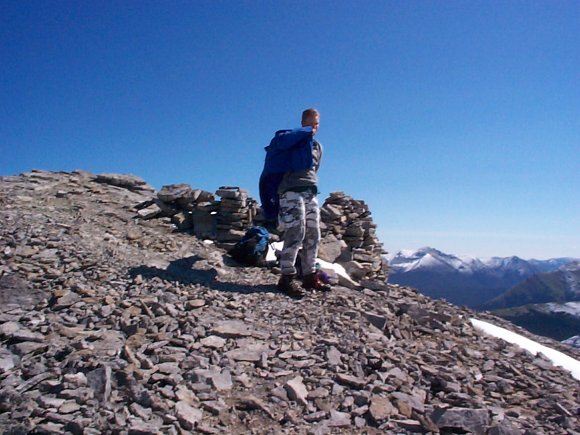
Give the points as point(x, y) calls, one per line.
point(299, 218)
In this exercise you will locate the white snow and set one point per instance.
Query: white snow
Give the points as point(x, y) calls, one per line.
point(431, 259)
point(427, 260)
point(337, 268)
point(407, 260)
point(557, 358)
point(272, 248)
point(572, 308)
point(325, 265)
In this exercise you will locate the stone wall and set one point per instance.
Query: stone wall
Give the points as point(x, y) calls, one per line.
point(348, 232)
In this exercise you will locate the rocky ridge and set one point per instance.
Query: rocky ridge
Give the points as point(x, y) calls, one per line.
point(111, 323)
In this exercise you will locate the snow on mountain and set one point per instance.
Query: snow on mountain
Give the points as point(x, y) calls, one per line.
point(573, 341)
point(435, 260)
point(572, 308)
point(429, 258)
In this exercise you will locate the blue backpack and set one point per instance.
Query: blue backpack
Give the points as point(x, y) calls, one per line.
point(251, 250)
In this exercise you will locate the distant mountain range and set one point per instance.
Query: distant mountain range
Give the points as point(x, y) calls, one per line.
point(542, 296)
point(545, 304)
point(464, 280)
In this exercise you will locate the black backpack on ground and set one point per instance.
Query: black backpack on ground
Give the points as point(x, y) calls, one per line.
point(251, 250)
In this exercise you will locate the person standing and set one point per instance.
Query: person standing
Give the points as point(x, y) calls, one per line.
point(299, 214)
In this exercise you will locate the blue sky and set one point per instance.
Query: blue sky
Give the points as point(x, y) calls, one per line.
point(458, 122)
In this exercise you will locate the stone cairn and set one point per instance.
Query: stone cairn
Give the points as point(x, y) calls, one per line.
point(347, 229)
point(349, 238)
point(224, 221)
point(235, 215)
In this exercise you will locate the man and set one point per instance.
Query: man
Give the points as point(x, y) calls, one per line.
point(299, 215)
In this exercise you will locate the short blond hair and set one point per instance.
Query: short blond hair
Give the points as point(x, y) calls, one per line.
point(308, 114)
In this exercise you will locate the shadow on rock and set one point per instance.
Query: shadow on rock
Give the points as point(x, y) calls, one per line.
point(186, 272)
point(16, 292)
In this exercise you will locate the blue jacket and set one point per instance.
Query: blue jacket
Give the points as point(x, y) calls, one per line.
point(289, 151)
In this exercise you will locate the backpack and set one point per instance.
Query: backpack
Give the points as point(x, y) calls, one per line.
point(251, 250)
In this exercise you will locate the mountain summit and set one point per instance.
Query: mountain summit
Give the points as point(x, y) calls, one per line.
point(113, 323)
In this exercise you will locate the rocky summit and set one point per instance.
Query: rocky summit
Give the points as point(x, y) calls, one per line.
point(114, 322)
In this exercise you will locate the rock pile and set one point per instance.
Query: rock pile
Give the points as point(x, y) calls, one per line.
point(348, 232)
point(235, 215)
point(349, 237)
point(179, 202)
point(198, 211)
point(114, 324)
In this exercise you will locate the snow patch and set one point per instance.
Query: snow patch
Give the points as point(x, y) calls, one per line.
point(572, 308)
point(557, 358)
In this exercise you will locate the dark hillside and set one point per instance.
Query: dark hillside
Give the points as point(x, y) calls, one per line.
point(539, 289)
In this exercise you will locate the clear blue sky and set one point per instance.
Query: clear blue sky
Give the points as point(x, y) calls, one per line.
point(457, 121)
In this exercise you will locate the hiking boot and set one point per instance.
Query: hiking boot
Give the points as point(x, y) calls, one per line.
point(288, 285)
point(312, 282)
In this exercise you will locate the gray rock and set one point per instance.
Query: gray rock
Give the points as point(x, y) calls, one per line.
point(187, 415)
point(69, 407)
point(250, 353)
point(250, 402)
point(213, 342)
point(381, 408)
point(50, 402)
point(28, 347)
point(7, 362)
point(100, 382)
point(416, 402)
point(151, 212)
point(316, 416)
point(232, 329)
point(297, 390)
point(130, 182)
point(222, 381)
point(172, 192)
point(9, 328)
point(183, 394)
point(351, 381)
point(230, 192)
point(356, 270)
point(339, 419)
point(319, 393)
point(376, 320)
point(66, 300)
point(169, 368)
point(333, 356)
point(140, 427)
point(330, 248)
point(464, 419)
